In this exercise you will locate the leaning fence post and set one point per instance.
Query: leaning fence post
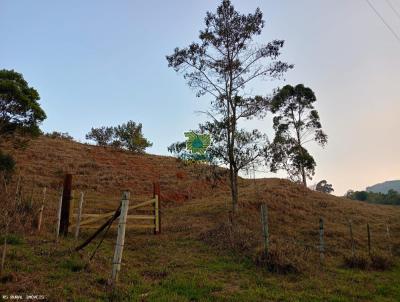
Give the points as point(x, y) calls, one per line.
point(353, 250)
point(264, 222)
point(59, 214)
point(39, 223)
point(369, 240)
point(79, 214)
point(321, 241)
point(119, 246)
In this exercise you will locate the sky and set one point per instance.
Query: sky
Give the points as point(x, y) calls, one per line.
point(101, 63)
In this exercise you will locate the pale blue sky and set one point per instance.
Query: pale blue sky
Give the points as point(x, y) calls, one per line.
point(100, 63)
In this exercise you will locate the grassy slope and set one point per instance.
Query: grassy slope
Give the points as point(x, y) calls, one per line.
point(190, 260)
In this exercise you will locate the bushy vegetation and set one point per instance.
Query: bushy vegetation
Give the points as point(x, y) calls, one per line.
point(126, 136)
point(324, 187)
point(60, 135)
point(391, 198)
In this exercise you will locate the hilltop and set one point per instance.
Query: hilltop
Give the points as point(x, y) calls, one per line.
point(384, 187)
point(198, 256)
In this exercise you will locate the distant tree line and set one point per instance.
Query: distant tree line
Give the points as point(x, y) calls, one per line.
point(59, 135)
point(127, 136)
point(392, 197)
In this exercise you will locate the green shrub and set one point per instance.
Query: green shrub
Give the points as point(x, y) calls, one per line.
point(7, 164)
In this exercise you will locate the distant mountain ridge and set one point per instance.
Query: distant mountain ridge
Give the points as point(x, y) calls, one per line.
point(384, 187)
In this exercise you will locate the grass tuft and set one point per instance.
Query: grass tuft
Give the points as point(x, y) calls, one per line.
point(191, 288)
point(73, 264)
point(12, 239)
point(277, 262)
point(356, 261)
point(378, 262)
point(381, 262)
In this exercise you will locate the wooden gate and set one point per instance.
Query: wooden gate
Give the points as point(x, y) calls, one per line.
point(144, 215)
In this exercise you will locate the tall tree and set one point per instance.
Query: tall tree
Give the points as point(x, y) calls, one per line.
point(19, 111)
point(221, 65)
point(129, 136)
point(296, 123)
point(324, 187)
point(102, 136)
point(19, 107)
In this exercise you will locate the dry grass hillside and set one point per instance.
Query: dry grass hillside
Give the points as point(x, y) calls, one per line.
point(202, 254)
point(104, 170)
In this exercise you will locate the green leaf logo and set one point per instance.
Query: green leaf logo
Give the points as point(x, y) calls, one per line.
point(197, 143)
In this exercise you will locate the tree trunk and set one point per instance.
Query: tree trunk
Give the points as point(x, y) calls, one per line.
point(303, 175)
point(303, 170)
point(233, 172)
point(234, 190)
point(231, 128)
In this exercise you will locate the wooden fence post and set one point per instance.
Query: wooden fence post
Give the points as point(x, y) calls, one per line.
point(119, 246)
point(265, 230)
point(66, 201)
point(369, 240)
point(39, 223)
point(79, 214)
point(157, 207)
point(59, 213)
point(157, 216)
point(389, 239)
point(321, 241)
point(353, 250)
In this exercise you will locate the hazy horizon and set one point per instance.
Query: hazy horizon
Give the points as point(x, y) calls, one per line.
point(100, 63)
